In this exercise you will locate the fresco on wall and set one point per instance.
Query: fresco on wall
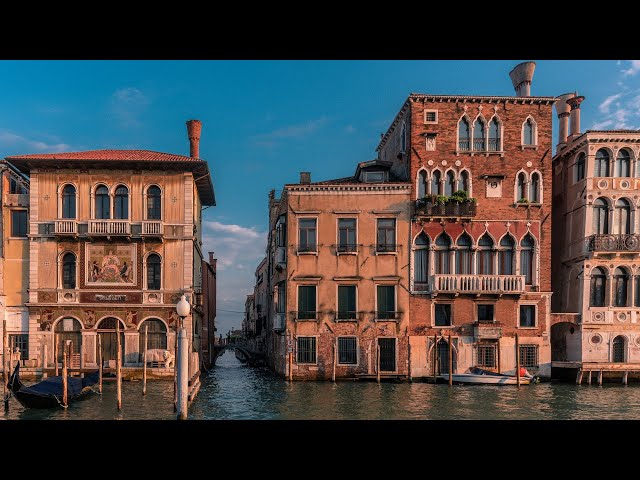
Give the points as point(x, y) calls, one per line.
point(111, 264)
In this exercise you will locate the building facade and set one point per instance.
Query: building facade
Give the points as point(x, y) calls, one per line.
point(480, 233)
point(115, 237)
point(596, 275)
point(256, 306)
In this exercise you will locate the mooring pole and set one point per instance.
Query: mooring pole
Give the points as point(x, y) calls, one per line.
point(100, 364)
point(118, 368)
point(450, 361)
point(64, 378)
point(517, 361)
point(144, 361)
point(435, 359)
point(333, 374)
point(5, 365)
point(378, 361)
point(55, 351)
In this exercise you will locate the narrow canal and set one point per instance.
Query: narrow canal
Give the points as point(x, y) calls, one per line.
point(234, 391)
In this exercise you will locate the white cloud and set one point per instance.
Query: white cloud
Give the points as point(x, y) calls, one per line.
point(270, 139)
point(634, 67)
point(606, 105)
point(127, 104)
point(602, 125)
point(231, 228)
point(22, 145)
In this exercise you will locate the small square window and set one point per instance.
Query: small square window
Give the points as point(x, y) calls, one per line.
point(374, 177)
point(443, 315)
point(527, 315)
point(485, 313)
point(430, 116)
point(306, 350)
point(347, 351)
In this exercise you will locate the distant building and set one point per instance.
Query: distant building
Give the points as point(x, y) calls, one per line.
point(256, 307)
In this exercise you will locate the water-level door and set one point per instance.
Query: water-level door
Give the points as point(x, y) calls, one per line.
point(387, 354)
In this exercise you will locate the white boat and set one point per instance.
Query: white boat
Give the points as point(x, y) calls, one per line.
point(478, 376)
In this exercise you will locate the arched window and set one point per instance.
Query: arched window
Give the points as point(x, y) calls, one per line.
point(602, 163)
point(435, 182)
point(494, 136)
point(154, 203)
point(623, 164)
point(121, 206)
point(421, 262)
point(153, 272)
point(598, 287)
point(505, 255)
point(479, 135)
point(534, 188)
point(463, 135)
point(600, 216)
point(102, 203)
point(68, 329)
point(69, 201)
point(522, 186)
point(622, 217)
point(618, 349)
point(463, 255)
point(463, 181)
point(580, 164)
point(526, 259)
point(620, 287)
point(443, 246)
point(69, 270)
point(484, 255)
point(529, 132)
point(423, 182)
point(450, 183)
point(109, 339)
point(156, 336)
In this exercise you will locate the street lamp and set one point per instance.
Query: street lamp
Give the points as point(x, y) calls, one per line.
point(182, 360)
point(183, 308)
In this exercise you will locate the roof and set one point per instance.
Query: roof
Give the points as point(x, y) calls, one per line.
point(134, 159)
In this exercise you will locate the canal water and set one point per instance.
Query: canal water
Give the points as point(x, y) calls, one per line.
point(233, 391)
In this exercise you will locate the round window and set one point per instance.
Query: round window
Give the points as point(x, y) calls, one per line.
point(596, 339)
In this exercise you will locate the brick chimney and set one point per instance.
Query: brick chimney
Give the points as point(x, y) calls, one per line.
point(211, 259)
point(521, 77)
point(305, 178)
point(194, 127)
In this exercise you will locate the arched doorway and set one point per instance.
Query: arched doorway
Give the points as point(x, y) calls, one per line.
point(107, 331)
point(618, 349)
point(443, 358)
point(69, 329)
point(157, 332)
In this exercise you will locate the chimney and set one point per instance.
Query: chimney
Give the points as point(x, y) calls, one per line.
point(194, 127)
point(562, 109)
point(211, 259)
point(521, 77)
point(305, 178)
point(574, 129)
point(272, 194)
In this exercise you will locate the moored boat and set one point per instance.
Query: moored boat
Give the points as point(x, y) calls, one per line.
point(478, 376)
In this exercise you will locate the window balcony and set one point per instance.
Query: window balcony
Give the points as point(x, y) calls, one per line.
point(66, 227)
point(614, 243)
point(109, 227)
point(279, 322)
point(16, 199)
point(427, 208)
point(464, 145)
point(152, 228)
point(388, 316)
point(478, 284)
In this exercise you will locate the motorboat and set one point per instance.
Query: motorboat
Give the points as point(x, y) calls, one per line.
point(479, 376)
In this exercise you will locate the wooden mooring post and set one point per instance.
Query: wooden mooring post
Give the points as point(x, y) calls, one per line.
point(409, 360)
point(498, 349)
point(100, 364)
point(625, 377)
point(118, 368)
point(450, 361)
point(55, 351)
point(435, 359)
point(517, 361)
point(589, 378)
point(144, 360)
point(378, 362)
point(600, 378)
point(579, 377)
point(290, 366)
point(5, 365)
point(45, 351)
point(335, 351)
point(65, 398)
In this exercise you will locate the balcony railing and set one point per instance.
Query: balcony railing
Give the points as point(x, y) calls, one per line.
point(66, 227)
point(478, 284)
point(478, 144)
point(109, 227)
point(614, 243)
point(494, 144)
point(464, 145)
point(347, 248)
point(16, 199)
point(429, 209)
point(279, 322)
point(152, 228)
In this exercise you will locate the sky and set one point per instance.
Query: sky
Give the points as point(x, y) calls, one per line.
point(266, 121)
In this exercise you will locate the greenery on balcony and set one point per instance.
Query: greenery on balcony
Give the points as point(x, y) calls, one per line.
point(457, 205)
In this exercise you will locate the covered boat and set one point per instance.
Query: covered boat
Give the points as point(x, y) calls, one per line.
point(478, 376)
point(48, 392)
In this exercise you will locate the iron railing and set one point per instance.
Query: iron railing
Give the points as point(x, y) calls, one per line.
point(430, 209)
point(478, 144)
point(347, 247)
point(464, 145)
point(386, 247)
point(614, 242)
point(494, 144)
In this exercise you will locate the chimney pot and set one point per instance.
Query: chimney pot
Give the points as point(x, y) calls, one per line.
point(562, 109)
point(305, 178)
point(194, 127)
point(575, 116)
point(521, 77)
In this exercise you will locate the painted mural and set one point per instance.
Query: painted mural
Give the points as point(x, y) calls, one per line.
point(111, 264)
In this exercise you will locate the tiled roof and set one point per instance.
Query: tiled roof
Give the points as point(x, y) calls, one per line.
point(124, 155)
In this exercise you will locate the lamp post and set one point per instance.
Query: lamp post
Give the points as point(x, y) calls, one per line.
point(182, 359)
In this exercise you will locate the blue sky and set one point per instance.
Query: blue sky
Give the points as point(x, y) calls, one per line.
point(265, 121)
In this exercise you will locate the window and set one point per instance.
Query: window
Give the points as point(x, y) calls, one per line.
point(347, 351)
point(386, 235)
point(435, 182)
point(69, 271)
point(602, 163)
point(102, 203)
point(18, 223)
point(403, 139)
point(484, 255)
point(600, 216)
point(618, 349)
point(526, 259)
point(307, 234)
point(16, 187)
point(580, 164)
point(281, 302)
point(478, 135)
point(505, 255)
point(527, 315)
point(622, 217)
point(306, 349)
point(121, 205)
point(154, 273)
point(430, 116)
point(529, 356)
point(374, 177)
point(386, 309)
point(528, 132)
point(598, 287)
point(620, 285)
point(450, 183)
point(486, 353)
point(443, 315)
point(494, 136)
point(421, 262)
point(623, 164)
point(443, 247)
point(306, 302)
point(534, 188)
point(485, 313)
point(463, 135)
point(347, 235)
point(156, 335)
point(463, 255)
point(636, 284)
point(69, 201)
point(347, 302)
point(154, 203)
point(423, 182)
point(522, 187)
point(463, 181)
point(21, 342)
